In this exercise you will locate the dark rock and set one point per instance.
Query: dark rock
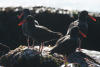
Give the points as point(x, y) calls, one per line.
point(24, 57)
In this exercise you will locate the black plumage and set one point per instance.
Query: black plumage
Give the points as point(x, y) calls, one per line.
point(67, 44)
point(81, 22)
point(39, 33)
point(28, 24)
point(23, 16)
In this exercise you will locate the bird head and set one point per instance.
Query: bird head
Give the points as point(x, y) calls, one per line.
point(84, 16)
point(24, 13)
point(23, 16)
point(83, 13)
point(30, 18)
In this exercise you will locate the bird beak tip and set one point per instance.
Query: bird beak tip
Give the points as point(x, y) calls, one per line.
point(92, 18)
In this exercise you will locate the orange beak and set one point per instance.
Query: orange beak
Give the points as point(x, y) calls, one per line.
point(92, 18)
point(22, 22)
point(84, 36)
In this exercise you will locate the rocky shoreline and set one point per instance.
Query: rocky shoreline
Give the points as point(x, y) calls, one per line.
point(24, 57)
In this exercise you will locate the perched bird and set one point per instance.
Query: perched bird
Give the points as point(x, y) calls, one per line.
point(23, 16)
point(25, 28)
point(37, 32)
point(67, 44)
point(82, 23)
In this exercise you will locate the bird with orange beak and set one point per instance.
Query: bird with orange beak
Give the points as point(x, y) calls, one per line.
point(23, 23)
point(36, 32)
point(82, 23)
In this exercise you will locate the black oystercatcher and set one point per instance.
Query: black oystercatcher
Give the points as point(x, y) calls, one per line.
point(38, 32)
point(67, 44)
point(23, 16)
point(82, 23)
point(25, 28)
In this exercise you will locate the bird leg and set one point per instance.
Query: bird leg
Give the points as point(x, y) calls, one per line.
point(65, 61)
point(28, 41)
point(41, 47)
point(33, 44)
point(79, 45)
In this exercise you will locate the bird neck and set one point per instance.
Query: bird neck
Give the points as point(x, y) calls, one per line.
point(74, 36)
point(84, 19)
point(30, 24)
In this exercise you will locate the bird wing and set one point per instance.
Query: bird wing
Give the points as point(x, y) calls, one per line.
point(43, 28)
point(63, 39)
point(62, 44)
point(44, 33)
point(75, 23)
point(36, 22)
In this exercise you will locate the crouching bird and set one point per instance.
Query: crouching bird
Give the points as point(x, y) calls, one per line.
point(67, 44)
point(37, 32)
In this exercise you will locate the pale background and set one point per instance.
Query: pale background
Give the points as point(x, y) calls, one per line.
point(90, 5)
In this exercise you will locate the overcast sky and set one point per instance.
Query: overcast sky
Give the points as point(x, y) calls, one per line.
point(91, 5)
